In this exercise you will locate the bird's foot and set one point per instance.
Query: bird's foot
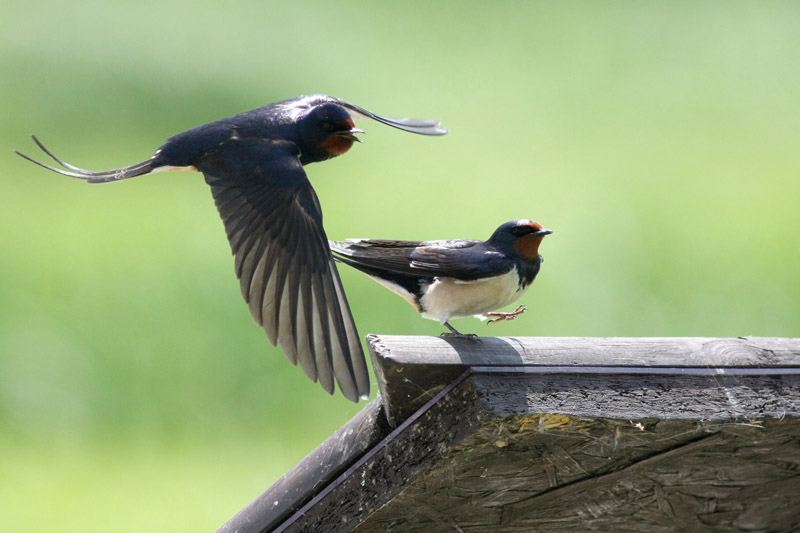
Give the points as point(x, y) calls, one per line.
point(455, 334)
point(497, 317)
point(468, 336)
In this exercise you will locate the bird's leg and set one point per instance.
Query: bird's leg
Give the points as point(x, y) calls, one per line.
point(497, 317)
point(455, 334)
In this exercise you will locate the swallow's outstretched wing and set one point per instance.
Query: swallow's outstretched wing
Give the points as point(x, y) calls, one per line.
point(287, 275)
point(274, 224)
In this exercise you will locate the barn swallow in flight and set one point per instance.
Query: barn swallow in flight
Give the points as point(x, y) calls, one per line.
point(254, 164)
point(456, 278)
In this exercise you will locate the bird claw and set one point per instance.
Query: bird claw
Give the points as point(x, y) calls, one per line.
point(468, 336)
point(497, 317)
point(455, 334)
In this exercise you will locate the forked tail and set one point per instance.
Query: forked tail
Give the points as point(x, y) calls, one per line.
point(102, 176)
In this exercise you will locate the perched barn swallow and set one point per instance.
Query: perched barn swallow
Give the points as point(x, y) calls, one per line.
point(456, 278)
point(254, 164)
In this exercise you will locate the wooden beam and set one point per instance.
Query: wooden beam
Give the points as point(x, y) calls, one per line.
point(409, 370)
point(518, 434)
point(312, 474)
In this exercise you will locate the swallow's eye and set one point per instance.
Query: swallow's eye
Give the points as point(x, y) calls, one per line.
point(519, 230)
point(327, 126)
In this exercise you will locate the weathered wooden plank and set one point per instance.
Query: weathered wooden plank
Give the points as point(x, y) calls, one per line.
point(639, 397)
point(589, 351)
point(468, 462)
point(558, 435)
point(408, 451)
point(718, 482)
point(562, 473)
point(318, 469)
point(410, 370)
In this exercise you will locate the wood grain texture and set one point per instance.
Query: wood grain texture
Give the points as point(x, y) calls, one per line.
point(545, 474)
point(530, 470)
point(405, 454)
point(675, 397)
point(552, 434)
point(308, 477)
point(589, 351)
point(410, 370)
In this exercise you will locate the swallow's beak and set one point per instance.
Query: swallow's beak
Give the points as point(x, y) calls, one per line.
point(350, 134)
point(542, 232)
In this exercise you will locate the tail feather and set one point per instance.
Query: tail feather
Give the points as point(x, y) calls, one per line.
point(103, 176)
point(343, 254)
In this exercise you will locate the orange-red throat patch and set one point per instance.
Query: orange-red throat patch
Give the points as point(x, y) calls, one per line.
point(528, 246)
point(341, 141)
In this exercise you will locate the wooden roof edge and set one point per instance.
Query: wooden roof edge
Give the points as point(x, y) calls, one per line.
point(587, 351)
point(411, 369)
point(297, 486)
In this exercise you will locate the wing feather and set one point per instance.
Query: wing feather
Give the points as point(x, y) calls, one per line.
point(288, 278)
point(461, 259)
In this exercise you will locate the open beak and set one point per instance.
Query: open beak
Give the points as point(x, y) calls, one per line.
point(350, 134)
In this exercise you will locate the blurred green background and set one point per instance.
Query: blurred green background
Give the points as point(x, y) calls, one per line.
point(658, 139)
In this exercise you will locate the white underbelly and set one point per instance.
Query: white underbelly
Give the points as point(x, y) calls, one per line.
point(447, 298)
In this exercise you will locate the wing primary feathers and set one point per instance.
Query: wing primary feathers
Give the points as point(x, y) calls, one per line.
point(307, 302)
point(322, 325)
point(254, 258)
point(324, 357)
point(271, 298)
point(293, 275)
point(309, 282)
point(232, 207)
point(358, 368)
point(273, 222)
point(260, 284)
point(308, 324)
point(285, 339)
point(303, 343)
point(342, 356)
point(240, 233)
point(268, 300)
point(224, 191)
point(272, 218)
point(319, 303)
point(280, 279)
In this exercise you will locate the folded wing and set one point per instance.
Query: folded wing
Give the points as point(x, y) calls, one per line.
point(461, 259)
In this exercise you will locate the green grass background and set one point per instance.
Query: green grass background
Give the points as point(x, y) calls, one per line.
point(659, 140)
